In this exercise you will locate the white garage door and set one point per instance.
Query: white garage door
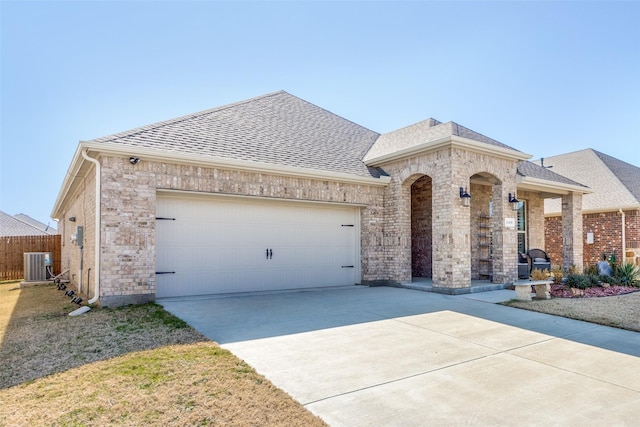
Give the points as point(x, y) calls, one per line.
point(216, 244)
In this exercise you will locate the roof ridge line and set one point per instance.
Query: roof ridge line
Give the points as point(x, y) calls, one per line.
point(435, 122)
point(330, 112)
point(458, 126)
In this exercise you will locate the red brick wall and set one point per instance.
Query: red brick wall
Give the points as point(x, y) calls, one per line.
point(607, 235)
point(632, 229)
point(553, 239)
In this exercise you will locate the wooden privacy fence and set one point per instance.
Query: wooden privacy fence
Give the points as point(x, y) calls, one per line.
point(12, 249)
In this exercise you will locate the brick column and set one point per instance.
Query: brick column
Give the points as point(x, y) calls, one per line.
point(505, 239)
point(451, 235)
point(572, 249)
point(397, 232)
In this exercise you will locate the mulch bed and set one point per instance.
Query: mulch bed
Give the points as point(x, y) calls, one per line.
point(561, 291)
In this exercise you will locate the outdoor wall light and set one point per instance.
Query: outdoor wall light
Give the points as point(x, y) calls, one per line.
point(513, 202)
point(72, 218)
point(134, 160)
point(466, 197)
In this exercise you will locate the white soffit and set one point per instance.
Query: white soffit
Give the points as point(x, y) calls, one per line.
point(543, 185)
point(241, 165)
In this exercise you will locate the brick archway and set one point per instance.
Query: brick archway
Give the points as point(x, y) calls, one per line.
point(421, 227)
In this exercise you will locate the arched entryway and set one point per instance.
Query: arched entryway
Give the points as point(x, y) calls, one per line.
point(483, 224)
point(421, 228)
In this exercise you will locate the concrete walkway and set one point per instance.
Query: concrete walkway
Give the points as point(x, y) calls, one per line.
point(362, 356)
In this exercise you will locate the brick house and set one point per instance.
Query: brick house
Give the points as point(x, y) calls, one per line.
point(276, 193)
point(611, 213)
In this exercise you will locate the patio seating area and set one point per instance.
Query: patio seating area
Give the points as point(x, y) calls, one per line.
point(539, 260)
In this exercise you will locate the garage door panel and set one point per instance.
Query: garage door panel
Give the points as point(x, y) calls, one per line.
point(218, 245)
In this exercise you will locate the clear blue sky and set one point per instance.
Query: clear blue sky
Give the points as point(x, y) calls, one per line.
point(543, 77)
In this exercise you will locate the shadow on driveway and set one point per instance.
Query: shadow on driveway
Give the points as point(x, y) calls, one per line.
point(244, 317)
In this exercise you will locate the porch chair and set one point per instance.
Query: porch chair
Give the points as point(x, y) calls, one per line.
point(523, 266)
point(539, 259)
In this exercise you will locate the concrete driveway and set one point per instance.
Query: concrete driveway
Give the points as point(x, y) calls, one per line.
point(382, 356)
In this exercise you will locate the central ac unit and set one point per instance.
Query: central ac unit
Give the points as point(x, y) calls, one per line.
point(35, 265)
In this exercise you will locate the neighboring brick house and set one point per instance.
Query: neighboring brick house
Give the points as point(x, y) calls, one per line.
point(276, 193)
point(615, 201)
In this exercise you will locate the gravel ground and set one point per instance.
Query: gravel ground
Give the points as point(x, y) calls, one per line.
point(621, 311)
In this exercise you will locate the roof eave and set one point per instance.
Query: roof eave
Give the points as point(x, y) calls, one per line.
point(450, 141)
point(554, 187)
point(69, 183)
point(225, 163)
point(594, 211)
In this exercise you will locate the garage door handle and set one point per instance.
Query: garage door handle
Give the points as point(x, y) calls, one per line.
point(165, 272)
point(347, 266)
point(269, 253)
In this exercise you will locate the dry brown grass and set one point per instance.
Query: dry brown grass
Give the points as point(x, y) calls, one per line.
point(132, 366)
point(621, 311)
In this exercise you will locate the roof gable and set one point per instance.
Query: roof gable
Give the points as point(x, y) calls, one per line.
point(425, 133)
point(276, 128)
point(615, 184)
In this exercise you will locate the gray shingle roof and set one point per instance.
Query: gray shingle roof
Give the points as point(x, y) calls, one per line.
point(284, 130)
point(276, 128)
point(532, 170)
point(615, 184)
point(12, 226)
point(37, 224)
point(627, 174)
point(424, 132)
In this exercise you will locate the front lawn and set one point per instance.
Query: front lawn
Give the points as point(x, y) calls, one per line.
point(136, 365)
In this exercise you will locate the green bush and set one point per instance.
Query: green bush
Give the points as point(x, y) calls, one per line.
point(609, 279)
point(628, 274)
point(576, 281)
point(592, 280)
point(582, 281)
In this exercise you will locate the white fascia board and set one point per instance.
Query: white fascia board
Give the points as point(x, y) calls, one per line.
point(560, 188)
point(222, 163)
point(595, 211)
point(67, 183)
point(452, 141)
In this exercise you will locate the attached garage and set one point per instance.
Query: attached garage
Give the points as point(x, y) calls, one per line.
point(213, 244)
point(275, 193)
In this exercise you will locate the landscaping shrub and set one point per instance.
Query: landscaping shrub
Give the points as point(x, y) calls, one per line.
point(573, 269)
point(628, 274)
point(590, 269)
point(609, 279)
point(537, 274)
point(592, 280)
point(579, 281)
point(558, 274)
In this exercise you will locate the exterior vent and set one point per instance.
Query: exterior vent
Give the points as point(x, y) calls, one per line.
point(35, 265)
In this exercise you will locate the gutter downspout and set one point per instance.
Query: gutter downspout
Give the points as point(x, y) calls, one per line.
point(96, 295)
point(624, 239)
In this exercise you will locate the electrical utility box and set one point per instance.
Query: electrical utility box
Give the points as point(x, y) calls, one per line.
point(35, 265)
point(78, 237)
